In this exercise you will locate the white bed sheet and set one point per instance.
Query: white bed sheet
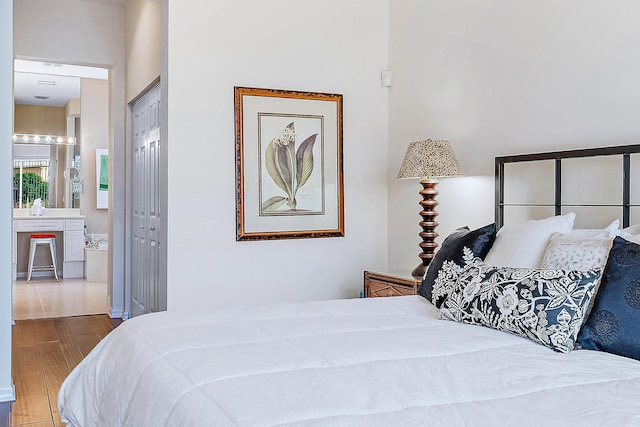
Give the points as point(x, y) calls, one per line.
point(360, 362)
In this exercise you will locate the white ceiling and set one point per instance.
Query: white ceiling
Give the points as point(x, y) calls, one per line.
point(108, 1)
point(50, 84)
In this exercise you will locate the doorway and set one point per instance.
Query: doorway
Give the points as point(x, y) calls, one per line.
point(61, 119)
point(134, 50)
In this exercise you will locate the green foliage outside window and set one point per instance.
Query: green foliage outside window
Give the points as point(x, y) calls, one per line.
point(33, 187)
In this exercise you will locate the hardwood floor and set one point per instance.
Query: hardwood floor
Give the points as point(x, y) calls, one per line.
point(44, 352)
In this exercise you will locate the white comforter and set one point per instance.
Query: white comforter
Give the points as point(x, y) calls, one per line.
point(361, 362)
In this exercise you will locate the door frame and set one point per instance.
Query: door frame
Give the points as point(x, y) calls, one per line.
point(164, 162)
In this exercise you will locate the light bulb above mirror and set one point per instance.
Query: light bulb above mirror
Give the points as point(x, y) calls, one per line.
point(43, 139)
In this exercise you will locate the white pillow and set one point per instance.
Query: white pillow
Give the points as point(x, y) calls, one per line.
point(610, 230)
point(523, 245)
point(575, 252)
point(630, 231)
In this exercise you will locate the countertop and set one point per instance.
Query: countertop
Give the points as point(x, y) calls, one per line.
point(51, 213)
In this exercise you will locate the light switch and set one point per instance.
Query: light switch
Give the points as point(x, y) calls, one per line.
point(385, 78)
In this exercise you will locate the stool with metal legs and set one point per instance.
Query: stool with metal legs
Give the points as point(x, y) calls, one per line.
point(42, 239)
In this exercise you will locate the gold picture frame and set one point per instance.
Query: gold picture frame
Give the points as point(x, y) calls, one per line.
point(288, 164)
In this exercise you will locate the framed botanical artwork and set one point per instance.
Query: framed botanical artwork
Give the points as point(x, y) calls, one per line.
point(288, 164)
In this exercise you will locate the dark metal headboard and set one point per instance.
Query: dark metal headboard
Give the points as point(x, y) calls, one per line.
point(558, 156)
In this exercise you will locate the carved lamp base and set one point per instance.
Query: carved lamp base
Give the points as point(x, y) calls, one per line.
point(428, 224)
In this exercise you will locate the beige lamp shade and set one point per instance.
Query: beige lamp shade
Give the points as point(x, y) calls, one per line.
point(430, 159)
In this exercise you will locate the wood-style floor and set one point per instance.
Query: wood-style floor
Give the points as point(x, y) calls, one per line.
point(44, 352)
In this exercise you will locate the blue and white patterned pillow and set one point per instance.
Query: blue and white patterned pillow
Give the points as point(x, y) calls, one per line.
point(452, 255)
point(546, 306)
point(613, 325)
point(448, 273)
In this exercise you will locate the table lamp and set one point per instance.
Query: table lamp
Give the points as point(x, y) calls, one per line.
point(428, 160)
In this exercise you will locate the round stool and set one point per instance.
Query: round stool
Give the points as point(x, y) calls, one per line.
point(42, 239)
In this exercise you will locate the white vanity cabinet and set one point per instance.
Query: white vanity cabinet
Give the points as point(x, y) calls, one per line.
point(66, 224)
point(73, 248)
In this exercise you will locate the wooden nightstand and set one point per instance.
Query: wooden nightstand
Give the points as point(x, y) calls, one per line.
point(389, 284)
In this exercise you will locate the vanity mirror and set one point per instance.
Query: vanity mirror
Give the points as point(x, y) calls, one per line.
point(47, 143)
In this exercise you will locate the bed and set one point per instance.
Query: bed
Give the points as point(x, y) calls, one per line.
point(426, 359)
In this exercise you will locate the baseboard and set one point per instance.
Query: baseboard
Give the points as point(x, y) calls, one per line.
point(8, 394)
point(39, 275)
point(118, 314)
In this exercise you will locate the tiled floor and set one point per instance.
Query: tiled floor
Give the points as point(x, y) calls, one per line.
point(40, 299)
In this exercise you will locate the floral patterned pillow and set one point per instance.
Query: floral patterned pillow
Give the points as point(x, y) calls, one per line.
point(448, 273)
point(546, 306)
point(450, 255)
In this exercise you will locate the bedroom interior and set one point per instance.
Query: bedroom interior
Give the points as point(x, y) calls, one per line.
point(495, 78)
point(399, 360)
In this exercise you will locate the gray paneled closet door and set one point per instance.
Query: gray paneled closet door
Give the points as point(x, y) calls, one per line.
point(145, 269)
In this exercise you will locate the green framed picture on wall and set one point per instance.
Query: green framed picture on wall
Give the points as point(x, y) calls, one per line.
point(102, 178)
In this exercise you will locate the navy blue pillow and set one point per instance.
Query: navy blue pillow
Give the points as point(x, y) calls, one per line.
point(452, 249)
point(614, 322)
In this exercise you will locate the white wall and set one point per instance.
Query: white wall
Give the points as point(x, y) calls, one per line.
point(330, 46)
point(143, 45)
point(6, 170)
point(145, 51)
point(501, 77)
point(94, 130)
point(89, 33)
